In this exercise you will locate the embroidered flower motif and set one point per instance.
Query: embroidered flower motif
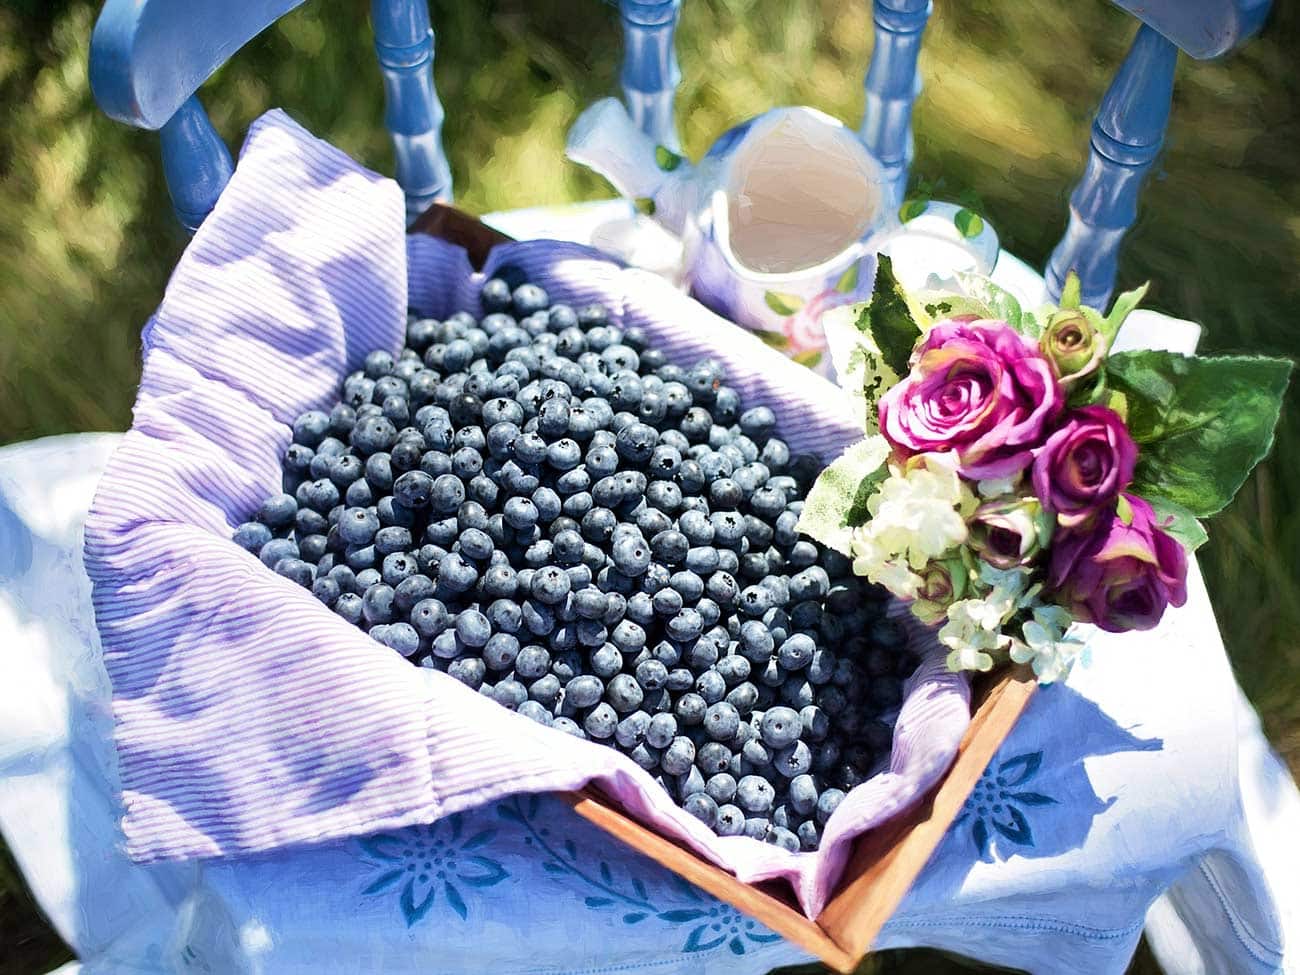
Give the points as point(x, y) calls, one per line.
point(423, 861)
point(999, 802)
point(713, 923)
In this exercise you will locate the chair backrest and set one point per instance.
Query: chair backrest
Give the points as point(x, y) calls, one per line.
point(148, 57)
point(1126, 134)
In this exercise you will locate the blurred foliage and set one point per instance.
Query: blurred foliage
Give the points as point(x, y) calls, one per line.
point(87, 239)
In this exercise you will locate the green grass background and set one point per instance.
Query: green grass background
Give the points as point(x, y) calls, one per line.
point(87, 239)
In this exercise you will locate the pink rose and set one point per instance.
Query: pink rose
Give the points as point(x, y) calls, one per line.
point(1085, 464)
point(978, 388)
point(1119, 576)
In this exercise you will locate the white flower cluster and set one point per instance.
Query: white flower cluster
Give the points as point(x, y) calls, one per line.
point(918, 545)
point(918, 513)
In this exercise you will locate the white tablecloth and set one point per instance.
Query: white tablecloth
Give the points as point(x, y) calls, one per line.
point(1139, 792)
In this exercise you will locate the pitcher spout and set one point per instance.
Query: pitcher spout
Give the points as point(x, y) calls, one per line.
point(606, 140)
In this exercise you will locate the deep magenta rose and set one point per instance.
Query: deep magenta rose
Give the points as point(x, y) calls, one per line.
point(1119, 576)
point(1085, 464)
point(978, 388)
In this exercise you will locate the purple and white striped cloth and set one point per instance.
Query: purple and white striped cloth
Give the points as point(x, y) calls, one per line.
point(248, 716)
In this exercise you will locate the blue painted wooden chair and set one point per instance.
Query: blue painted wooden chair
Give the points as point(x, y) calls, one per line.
point(149, 57)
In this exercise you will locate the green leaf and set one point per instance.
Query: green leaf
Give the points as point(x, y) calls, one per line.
point(889, 320)
point(968, 223)
point(775, 339)
point(1000, 302)
point(1180, 523)
point(666, 159)
point(849, 279)
point(781, 303)
point(1202, 423)
point(808, 358)
point(1123, 510)
point(1030, 326)
point(645, 205)
point(1119, 311)
point(1072, 293)
point(838, 500)
point(911, 209)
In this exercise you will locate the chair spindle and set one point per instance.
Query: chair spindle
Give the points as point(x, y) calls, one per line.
point(404, 42)
point(892, 86)
point(650, 73)
point(196, 163)
point(1126, 137)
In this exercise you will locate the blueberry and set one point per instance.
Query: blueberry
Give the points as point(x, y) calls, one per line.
point(529, 298)
point(277, 549)
point(721, 721)
point(476, 544)
point(296, 570)
point(520, 513)
point(601, 722)
point(547, 503)
point(456, 574)
point(550, 584)
point(755, 794)
point(661, 731)
point(252, 535)
point(501, 651)
point(730, 821)
point(679, 756)
point(277, 512)
point(710, 686)
point(446, 493)
point(690, 709)
point(545, 690)
point(536, 711)
point(651, 675)
point(470, 671)
point(510, 694)
point(310, 428)
point(349, 606)
point(624, 693)
point(702, 807)
point(583, 691)
point(631, 554)
point(793, 760)
point(495, 295)
point(568, 726)
point(827, 803)
point(796, 652)
point(803, 794)
point(686, 625)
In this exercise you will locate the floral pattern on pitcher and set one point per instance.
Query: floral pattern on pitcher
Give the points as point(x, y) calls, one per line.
point(800, 334)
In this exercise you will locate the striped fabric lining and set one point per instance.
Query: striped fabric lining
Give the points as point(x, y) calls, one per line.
point(249, 717)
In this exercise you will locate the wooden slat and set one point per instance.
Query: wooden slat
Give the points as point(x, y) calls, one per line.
point(887, 861)
point(460, 228)
point(762, 906)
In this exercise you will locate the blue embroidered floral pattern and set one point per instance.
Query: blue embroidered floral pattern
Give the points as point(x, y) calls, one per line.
point(709, 923)
point(424, 861)
point(999, 802)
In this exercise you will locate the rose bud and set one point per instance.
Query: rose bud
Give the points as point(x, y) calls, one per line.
point(1085, 464)
point(1011, 532)
point(1072, 345)
point(978, 389)
point(942, 584)
point(1120, 572)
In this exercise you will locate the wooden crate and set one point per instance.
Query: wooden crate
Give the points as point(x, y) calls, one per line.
point(886, 861)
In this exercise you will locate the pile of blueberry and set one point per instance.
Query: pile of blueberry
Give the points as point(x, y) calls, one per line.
point(551, 512)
